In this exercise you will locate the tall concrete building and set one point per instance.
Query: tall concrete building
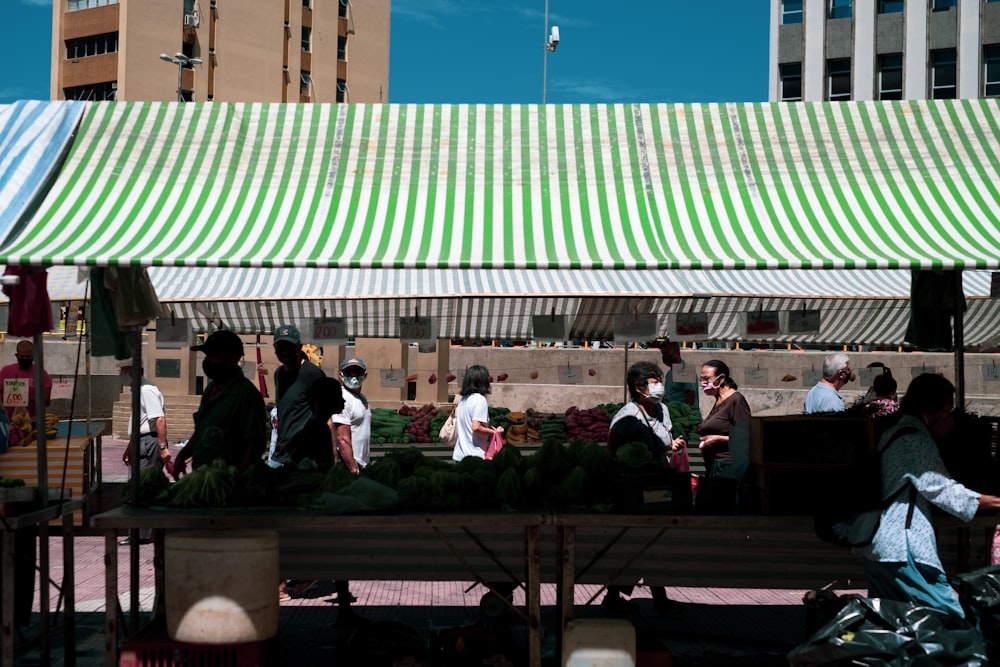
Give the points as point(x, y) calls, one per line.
point(250, 50)
point(884, 49)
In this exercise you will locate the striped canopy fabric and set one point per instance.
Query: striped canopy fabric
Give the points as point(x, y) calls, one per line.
point(910, 184)
point(33, 140)
point(864, 307)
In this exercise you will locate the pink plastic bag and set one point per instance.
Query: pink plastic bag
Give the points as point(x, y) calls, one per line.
point(995, 551)
point(496, 444)
point(680, 461)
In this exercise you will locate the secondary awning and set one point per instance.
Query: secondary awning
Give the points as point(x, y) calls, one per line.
point(808, 185)
point(33, 138)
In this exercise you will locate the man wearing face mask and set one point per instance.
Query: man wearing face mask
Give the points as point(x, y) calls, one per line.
point(25, 369)
point(354, 424)
point(292, 381)
point(825, 396)
point(229, 423)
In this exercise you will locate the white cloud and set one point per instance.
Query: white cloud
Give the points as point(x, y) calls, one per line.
point(38, 3)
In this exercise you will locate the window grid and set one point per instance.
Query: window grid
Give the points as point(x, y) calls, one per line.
point(77, 5)
point(944, 70)
point(890, 76)
point(106, 91)
point(305, 85)
point(791, 82)
point(306, 38)
point(838, 74)
point(840, 9)
point(943, 5)
point(890, 6)
point(991, 70)
point(92, 45)
point(791, 12)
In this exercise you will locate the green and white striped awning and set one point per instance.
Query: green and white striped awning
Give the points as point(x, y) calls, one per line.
point(912, 184)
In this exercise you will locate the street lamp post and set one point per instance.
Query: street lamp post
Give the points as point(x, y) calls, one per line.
point(180, 60)
point(551, 42)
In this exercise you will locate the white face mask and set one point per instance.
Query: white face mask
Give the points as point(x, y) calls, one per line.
point(352, 381)
point(656, 391)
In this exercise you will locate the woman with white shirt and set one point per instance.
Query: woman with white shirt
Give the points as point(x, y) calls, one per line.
point(473, 415)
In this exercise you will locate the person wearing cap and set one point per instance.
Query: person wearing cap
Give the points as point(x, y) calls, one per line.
point(229, 423)
point(153, 447)
point(292, 381)
point(354, 423)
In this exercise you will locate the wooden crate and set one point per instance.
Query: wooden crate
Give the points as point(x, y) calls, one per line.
point(22, 463)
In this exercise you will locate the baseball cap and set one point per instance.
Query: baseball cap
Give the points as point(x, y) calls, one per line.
point(354, 361)
point(222, 341)
point(287, 332)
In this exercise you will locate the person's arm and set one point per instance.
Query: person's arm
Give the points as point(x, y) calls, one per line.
point(161, 435)
point(988, 502)
point(485, 429)
point(342, 444)
point(180, 461)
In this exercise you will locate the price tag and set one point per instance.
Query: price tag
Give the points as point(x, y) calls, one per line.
point(416, 330)
point(810, 376)
point(570, 374)
point(920, 370)
point(690, 326)
point(636, 327)
point(683, 373)
point(762, 323)
point(72, 320)
point(62, 389)
point(331, 330)
point(757, 376)
point(173, 333)
point(15, 392)
point(803, 321)
point(991, 373)
point(549, 328)
point(392, 377)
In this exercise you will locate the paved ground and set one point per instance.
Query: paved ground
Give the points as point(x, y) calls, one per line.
point(716, 627)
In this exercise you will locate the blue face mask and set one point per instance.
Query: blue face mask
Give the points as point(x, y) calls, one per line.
point(352, 381)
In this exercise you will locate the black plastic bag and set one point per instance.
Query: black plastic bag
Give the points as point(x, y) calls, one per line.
point(980, 592)
point(887, 633)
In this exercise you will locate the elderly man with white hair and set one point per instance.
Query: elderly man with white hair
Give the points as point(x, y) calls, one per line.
point(825, 396)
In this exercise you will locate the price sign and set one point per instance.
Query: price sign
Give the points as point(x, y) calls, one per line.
point(803, 321)
point(331, 330)
point(15, 392)
point(392, 377)
point(762, 323)
point(991, 373)
point(72, 320)
point(757, 376)
point(635, 327)
point(810, 376)
point(173, 333)
point(690, 326)
point(683, 373)
point(920, 370)
point(416, 330)
point(570, 374)
point(549, 328)
point(62, 389)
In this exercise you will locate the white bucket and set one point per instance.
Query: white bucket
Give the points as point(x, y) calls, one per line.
point(221, 586)
point(599, 643)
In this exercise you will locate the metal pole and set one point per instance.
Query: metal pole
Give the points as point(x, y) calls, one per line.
point(180, 82)
point(545, 56)
point(959, 298)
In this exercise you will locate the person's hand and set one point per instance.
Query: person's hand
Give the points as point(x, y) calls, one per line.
point(499, 429)
point(677, 444)
point(125, 458)
point(179, 469)
point(164, 452)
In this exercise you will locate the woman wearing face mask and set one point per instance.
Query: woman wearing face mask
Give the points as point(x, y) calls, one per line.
point(730, 408)
point(645, 419)
point(902, 562)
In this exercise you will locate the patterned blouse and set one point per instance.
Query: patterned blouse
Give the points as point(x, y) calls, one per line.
point(914, 457)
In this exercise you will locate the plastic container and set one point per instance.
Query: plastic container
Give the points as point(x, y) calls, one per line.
point(221, 586)
point(606, 642)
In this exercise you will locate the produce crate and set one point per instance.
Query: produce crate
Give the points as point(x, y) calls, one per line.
point(151, 647)
point(651, 489)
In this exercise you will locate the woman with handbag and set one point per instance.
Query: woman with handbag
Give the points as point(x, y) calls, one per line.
point(473, 416)
point(646, 419)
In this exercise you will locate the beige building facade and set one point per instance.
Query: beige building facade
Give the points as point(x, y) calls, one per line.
point(249, 50)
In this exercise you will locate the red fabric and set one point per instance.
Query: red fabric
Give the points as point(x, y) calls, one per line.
point(30, 310)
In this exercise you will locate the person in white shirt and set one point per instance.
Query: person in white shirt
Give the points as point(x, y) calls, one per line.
point(354, 425)
point(153, 446)
point(473, 415)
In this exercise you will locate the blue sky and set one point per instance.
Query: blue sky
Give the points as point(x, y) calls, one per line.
point(490, 51)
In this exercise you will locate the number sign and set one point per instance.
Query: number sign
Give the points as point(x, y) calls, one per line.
point(332, 330)
point(15, 392)
point(416, 330)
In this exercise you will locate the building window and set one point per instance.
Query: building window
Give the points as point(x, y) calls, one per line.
point(307, 4)
point(92, 45)
point(890, 6)
point(791, 12)
point(306, 38)
point(943, 74)
point(77, 5)
point(890, 76)
point(791, 82)
point(991, 70)
point(342, 8)
point(942, 5)
point(106, 91)
point(342, 47)
point(306, 85)
point(838, 76)
point(342, 90)
point(840, 9)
